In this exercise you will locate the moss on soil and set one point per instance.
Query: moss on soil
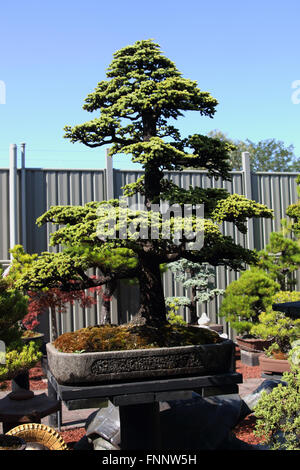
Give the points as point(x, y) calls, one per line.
point(125, 337)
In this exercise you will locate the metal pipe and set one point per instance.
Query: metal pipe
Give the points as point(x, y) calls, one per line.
point(248, 193)
point(109, 176)
point(13, 217)
point(23, 195)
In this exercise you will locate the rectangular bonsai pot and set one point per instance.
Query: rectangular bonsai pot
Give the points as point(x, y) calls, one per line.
point(104, 367)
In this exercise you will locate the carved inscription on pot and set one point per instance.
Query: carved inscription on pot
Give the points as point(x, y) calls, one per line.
point(139, 363)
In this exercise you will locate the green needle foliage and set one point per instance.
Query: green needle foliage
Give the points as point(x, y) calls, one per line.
point(277, 412)
point(281, 259)
point(144, 91)
point(246, 298)
point(19, 357)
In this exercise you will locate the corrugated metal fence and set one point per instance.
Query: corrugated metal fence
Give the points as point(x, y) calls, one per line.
point(46, 187)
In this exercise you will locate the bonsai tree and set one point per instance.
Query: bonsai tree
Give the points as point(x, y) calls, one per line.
point(199, 278)
point(277, 412)
point(281, 257)
point(143, 91)
point(278, 327)
point(18, 357)
point(246, 298)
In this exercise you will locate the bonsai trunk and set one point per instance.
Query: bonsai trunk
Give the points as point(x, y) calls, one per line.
point(152, 299)
point(107, 293)
point(193, 307)
point(54, 329)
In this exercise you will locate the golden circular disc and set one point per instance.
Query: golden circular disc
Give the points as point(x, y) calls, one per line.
point(39, 437)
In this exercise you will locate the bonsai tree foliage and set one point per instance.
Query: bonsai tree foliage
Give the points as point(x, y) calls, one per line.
point(142, 93)
point(277, 412)
point(283, 330)
point(200, 279)
point(246, 298)
point(280, 259)
point(40, 301)
point(18, 357)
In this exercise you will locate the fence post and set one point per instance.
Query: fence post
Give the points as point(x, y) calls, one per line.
point(23, 195)
point(110, 193)
point(248, 193)
point(13, 216)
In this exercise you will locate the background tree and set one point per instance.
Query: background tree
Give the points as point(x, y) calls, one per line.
point(144, 90)
point(265, 155)
point(199, 279)
point(13, 308)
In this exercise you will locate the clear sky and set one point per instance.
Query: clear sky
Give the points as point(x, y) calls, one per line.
point(53, 53)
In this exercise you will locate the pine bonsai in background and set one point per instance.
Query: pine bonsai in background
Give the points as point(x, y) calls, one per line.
point(246, 298)
point(137, 107)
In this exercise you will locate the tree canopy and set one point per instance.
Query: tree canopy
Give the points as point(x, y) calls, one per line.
point(142, 93)
point(265, 155)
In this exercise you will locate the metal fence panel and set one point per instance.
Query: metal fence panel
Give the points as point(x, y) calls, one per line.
point(47, 187)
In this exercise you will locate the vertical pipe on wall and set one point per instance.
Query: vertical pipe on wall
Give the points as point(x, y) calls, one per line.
point(109, 177)
point(13, 217)
point(23, 195)
point(248, 193)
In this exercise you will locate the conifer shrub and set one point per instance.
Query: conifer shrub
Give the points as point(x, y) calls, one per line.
point(246, 298)
point(277, 412)
point(18, 357)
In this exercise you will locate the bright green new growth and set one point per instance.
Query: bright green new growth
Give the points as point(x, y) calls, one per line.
point(13, 308)
point(277, 412)
point(142, 92)
point(277, 326)
point(246, 298)
point(280, 259)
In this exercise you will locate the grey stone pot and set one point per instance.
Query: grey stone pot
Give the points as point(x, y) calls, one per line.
point(101, 367)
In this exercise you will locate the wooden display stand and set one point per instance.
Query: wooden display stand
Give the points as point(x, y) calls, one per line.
point(138, 402)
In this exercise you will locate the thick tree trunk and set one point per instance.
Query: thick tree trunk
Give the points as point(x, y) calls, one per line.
point(54, 329)
point(153, 178)
point(193, 307)
point(107, 294)
point(152, 299)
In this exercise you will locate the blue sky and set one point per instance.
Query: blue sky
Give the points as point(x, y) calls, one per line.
point(246, 54)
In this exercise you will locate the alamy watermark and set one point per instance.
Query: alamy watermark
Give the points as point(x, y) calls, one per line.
point(2, 352)
point(2, 92)
point(296, 94)
point(178, 224)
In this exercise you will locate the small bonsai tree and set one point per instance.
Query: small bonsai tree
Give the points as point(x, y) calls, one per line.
point(281, 258)
point(197, 277)
point(19, 357)
point(278, 412)
point(246, 298)
point(278, 327)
